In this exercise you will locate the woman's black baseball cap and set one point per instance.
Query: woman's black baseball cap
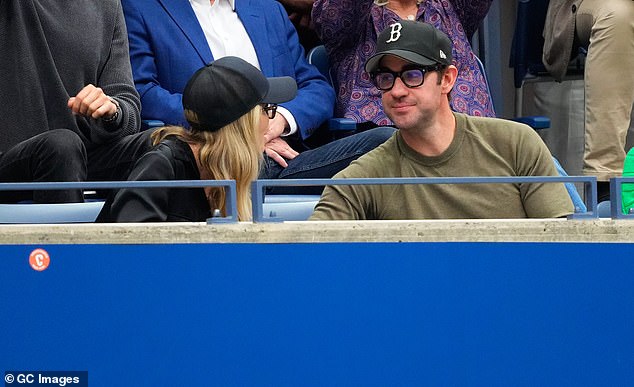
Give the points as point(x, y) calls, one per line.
point(228, 88)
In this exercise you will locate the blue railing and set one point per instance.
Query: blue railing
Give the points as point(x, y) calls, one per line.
point(230, 198)
point(259, 190)
point(590, 187)
point(616, 198)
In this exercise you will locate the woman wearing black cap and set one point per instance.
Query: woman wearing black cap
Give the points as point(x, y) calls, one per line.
point(226, 103)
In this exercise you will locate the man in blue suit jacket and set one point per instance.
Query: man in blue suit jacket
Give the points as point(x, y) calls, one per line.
point(168, 44)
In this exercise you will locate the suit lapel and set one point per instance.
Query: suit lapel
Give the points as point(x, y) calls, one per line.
point(252, 16)
point(183, 15)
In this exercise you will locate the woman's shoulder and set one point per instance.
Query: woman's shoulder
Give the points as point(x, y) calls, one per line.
point(174, 148)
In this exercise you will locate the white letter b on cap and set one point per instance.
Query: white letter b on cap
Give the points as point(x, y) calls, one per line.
point(395, 33)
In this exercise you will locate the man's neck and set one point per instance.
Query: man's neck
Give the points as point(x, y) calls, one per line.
point(433, 138)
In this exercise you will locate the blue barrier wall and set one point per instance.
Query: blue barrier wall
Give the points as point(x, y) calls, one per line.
point(323, 314)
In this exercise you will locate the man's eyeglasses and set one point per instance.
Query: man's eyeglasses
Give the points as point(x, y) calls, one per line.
point(269, 109)
point(412, 77)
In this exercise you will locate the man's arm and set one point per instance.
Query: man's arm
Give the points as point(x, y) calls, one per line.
point(113, 101)
point(542, 200)
point(348, 202)
point(471, 13)
point(158, 103)
point(335, 204)
point(340, 23)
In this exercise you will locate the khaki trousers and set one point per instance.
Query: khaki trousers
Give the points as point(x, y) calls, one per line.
point(607, 27)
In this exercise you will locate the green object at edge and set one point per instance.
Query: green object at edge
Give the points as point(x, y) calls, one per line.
point(627, 189)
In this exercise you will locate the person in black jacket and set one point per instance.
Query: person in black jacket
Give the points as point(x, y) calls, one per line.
point(227, 104)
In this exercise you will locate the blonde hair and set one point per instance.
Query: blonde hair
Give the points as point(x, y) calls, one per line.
point(233, 152)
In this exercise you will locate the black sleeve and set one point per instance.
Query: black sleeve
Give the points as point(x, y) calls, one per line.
point(145, 204)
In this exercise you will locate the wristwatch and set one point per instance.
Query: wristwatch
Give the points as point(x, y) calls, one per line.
point(113, 117)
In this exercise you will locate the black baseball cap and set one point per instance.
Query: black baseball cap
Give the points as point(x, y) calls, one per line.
point(416, 42)
point(228, 88)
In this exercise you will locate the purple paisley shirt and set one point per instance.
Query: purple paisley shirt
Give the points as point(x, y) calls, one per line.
point(349, 28)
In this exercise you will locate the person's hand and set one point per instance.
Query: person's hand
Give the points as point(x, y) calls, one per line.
point(276, 127)
point(280, 151)
point(301, 19)
point(299, 12)
point(92, 102)
point(301, 6)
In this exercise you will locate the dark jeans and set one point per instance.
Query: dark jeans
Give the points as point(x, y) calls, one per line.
point(323, 162)
point(59, 155)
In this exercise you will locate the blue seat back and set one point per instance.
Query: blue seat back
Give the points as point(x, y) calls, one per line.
point(318, 57)
point(50, 213)
point(290, 207)
point(604, 209)
point(580, 206)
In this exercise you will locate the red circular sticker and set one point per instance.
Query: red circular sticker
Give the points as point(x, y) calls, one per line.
point(39, 259)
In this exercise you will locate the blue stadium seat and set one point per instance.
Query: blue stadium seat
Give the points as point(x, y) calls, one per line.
point(284, 207)
point(50, 213)
point(604, 209)
point(151, 124)
point(318, 57)
point(290, 207)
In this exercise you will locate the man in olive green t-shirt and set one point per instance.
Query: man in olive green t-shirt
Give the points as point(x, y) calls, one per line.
point(413, 70)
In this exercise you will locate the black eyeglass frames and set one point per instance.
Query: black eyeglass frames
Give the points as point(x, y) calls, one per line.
point(384, 79)
point(269, 109)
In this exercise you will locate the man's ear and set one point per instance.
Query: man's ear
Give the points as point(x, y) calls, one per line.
point(449, 78)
